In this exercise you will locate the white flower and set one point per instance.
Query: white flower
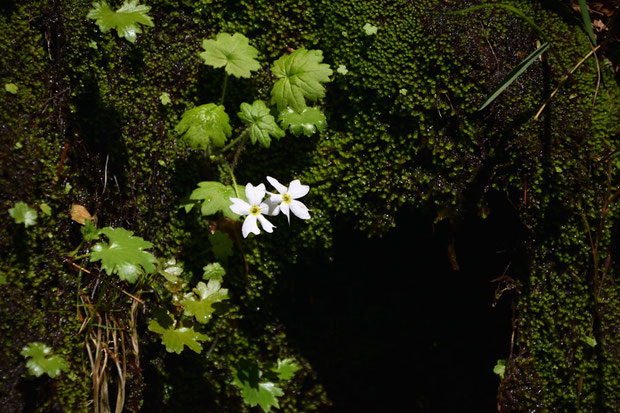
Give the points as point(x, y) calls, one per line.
point(287, 198)
point(254, 210)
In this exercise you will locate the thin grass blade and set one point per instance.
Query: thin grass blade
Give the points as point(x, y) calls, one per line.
point(511, 9)
point(585, 15)
point(516, 72)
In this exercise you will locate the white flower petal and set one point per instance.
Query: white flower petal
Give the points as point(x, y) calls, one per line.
point(277, 185)
point(285, 210)
point(276, 198)
point(267, 226)
point(239, 206)
point(299, 210)
point(297, 190)
point(255, 194)
point(250, 225)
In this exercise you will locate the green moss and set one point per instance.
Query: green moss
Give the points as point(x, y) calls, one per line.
point(384, 150)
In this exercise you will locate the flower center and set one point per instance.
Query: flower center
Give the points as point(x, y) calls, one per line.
point(254, 210)
point(286, 198)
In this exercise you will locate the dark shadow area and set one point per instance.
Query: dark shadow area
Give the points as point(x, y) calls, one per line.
point(389, 325)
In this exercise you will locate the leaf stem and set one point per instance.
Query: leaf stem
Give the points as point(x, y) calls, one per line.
point(232, 176)
point(224, 88)
point(234, 141)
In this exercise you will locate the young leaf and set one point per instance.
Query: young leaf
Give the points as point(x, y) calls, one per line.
point(300, 75)
point(175, 338)
point(222, 246)
point(90, 231)
point(125, 20)
point(216, 197)
point(124, 254)
point(165, 98)
point(500, 368)
point(214, 272)
point(42, 361)
point(262, 124)
point(11, 88)
point(591, 341)
point(512, 76)
point(171, 271)
point(253, 390)
point(585, 15)
point(342, 69)
point(286, 369)
point(201, 307)
point(46, 209)
point(369, 29)
point(205, 124)
point(307, 121)
point(23, 214)
point(234, 53)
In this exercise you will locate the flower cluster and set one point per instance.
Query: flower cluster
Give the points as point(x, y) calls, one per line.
point(257, 207)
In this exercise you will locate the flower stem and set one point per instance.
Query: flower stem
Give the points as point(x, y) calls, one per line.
point(232, 176)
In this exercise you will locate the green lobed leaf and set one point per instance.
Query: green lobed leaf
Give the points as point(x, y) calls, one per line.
point(214, 271)
point(176, 338)
point(234, 53)
point(215, 198)
point(591, 341)
point(123, 254)
point(23, 214)
point(515, 73)
point(253, 390)
point(306, 122)
point(200, 303)
point(42, 361)
point(286, 368)
point(222, 246)
point(300, 75)
point(204, 125)
point(125, 20)
point(262, 123)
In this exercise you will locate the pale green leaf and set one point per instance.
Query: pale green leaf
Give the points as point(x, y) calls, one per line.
point(515, 73)
point(215, 198)
point(124, 254)
point(262, 123)
point(255, 391)
point(205, 124)
point(11, 88)
point(286, 369)
point(234, 53)
point(214, 271)
point(23, 214)
point(165, 98)
point(222, 246)
point(307, 122)
point(42, 361)
point(500, 368)
point(176, 338)
point(125, 20)
point(591, 341)
point(369, 29)
point(300, 75)
point(200, 303)
point(45, 209)
point(342, 69)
